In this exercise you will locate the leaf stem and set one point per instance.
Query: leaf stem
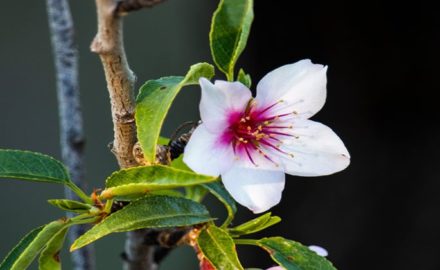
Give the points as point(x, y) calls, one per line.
point(251, 242)
point(108, 206)
point(230, 76)
point(80, 193)
point(227, 221)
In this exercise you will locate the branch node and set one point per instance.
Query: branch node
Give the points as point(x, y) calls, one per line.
point(125, 118)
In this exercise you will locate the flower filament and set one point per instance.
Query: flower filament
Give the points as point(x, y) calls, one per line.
point(258, 131)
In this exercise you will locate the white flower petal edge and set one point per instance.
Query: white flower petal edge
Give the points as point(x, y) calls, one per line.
point(219, 98)
point(204, 155)
point(316, 149)
point(319, 250)
point(302, 86)
point(258, 190)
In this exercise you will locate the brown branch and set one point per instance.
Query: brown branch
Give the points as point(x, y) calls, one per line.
point(108, 43)
point(71, 123)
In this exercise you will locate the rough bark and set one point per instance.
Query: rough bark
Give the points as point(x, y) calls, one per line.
point(71, 123)
point(108, 44)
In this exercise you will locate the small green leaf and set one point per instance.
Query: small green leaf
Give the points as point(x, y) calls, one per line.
point(293, 255)
point(148, 212)
point(141, 180)
point(50, 256)
point(70, 205)
point(32, 244)
point(230, 29)
point(218, 190)
point(255, 225)
point(244, 78)
point(32, 166)
point(219, 248)
point(154, 101)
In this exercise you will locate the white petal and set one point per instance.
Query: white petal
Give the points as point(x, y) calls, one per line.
point(319, 250)
point(205, 155)
point(219, 100)
point(302, 87)
point(258, 190)
point(316, 151)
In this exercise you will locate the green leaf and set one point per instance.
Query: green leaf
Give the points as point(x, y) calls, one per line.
point(219, 248)
point(167, 192)
point(163, 140)
point(148, 212)
point(50, 256)
point(179, 164)
point(255, 225)
point(293, 255)
point(141, 180)
point(32, 166)
point(244, 78)
point(230, 29)
point(15, 253)
point(218, 190)
point(25, 252)
point(154, 101)
point(195, 193)
point(70, 205)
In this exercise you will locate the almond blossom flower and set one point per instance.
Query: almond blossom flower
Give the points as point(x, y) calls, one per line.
point(253, 142)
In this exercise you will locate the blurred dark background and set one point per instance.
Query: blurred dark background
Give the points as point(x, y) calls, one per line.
point(380, 213)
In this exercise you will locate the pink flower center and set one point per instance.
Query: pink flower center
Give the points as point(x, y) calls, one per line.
point(257, 131)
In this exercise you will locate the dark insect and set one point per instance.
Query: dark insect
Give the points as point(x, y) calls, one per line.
point(177, 145)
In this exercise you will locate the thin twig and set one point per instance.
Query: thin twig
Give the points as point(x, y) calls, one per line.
point(108, 43)
point(71, 124)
